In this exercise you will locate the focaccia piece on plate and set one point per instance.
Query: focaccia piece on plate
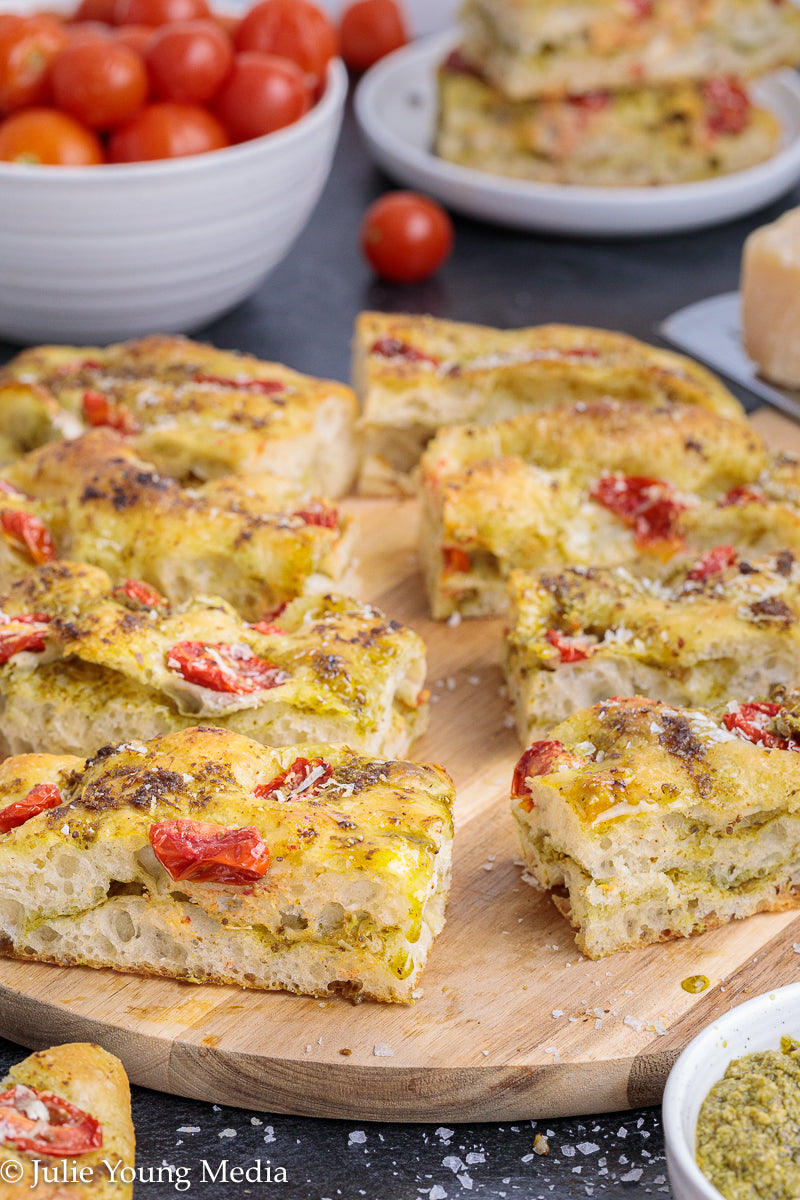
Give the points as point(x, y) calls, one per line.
point(70, 1109)
point(194, 411)
point(203, 855)
point(595, 484)
point(727, 625)
point(414, 374)
point(648, 822)
point(83, 662)
point(256, 541)
point(544, 47)
point(637, 137)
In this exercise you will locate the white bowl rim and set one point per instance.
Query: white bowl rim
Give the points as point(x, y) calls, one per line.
point(331, 100)
point(680, 1077)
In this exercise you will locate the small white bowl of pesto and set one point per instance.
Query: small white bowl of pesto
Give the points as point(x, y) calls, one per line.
point(732, 1105)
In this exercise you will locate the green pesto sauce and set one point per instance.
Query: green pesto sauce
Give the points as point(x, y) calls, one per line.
point(748, 1131)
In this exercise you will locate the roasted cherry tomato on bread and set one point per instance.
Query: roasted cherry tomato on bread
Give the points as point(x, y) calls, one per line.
point(27, 632)
point(209, 853)
point(406, 237)
point(369, 30)
point(166, 130)
point(304, 777)
point(26, 532)
point(224, 668)
point(48, 137)
point(38, 799)
point(66, 1130)
point(101, 82)
point(262, 93)
point(293, 29)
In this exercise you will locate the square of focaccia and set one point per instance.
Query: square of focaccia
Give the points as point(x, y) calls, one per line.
point(414, 374)
point(84, 663)
point(76, 1095)
point(648, 822)
point(546, 47)
point(194, 411)
point(600, 484)
point(256, 541)
point(636, 137)
point(203, 855)
point(727, 625)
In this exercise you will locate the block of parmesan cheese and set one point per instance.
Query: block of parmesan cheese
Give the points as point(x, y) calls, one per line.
point(771, 298)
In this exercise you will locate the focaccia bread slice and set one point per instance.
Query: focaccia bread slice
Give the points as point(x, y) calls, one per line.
point(203, 855)
point(84, 662)
point(256, 541)
point(637, 137)
point(414, 374)
point(727, 625)
point(544, 47)
point(66, 1113)
point(595, 484)
point(192, 410)
point(648, 822)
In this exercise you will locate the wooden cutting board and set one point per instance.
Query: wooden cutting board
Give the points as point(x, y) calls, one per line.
point(513, 1022)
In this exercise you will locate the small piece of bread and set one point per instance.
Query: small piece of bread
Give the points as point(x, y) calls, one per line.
point(93, 1081)
point(648, 822)
point(256, 541)
point(414, 374)
point(83, 662)
point(640, 136)
point(192, 410)
point(601, 483)
point(723, 626)
point(309, 869)
point(770, 290)
point(547, 48)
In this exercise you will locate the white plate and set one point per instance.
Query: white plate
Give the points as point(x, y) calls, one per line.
point(396, 106)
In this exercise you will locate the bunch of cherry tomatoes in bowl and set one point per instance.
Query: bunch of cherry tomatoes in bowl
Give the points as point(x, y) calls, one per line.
point(133, 80)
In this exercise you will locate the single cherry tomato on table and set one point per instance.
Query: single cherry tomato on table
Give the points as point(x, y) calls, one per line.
point(405, 237)
point(66, 1130)
point(369, 30)
point(292, 29)
point(262, 93)
point(188, 61)
point(166, 131)
point(158, 12)
point(44, 135)
point(101, 83)
point(27, 47)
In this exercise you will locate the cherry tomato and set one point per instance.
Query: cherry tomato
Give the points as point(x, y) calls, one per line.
point(38, 799)
point(27, 632)
point(570, 649)
point(101, 83)
point(266, 386)
point(99, 410)
point(166, 131)
point(262, 93)
point(43, 135)
point(68, 1129)
point(292, 29)
point(88, 31)
point(713, 562)
point(136, 37)
point(752, 722)
point(228, 23)
point(302, 778)
point(540, 759)
point(209, 853)
point(370, 29)
point(140, 593)
point(188, 61)
point(406, 237)
point(26, 532)
point(158, 12)
point(95, 10)
point(323, 515)
point(224, 668)
point(27, 47)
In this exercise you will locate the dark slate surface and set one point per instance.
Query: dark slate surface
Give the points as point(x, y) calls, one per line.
point(303, 316)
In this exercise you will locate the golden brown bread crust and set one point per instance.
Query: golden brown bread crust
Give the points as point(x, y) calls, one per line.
point(194, 411)
point(256, 541)
point(94, 1081)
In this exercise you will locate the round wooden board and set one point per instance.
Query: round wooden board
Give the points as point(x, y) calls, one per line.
point(513, 1022)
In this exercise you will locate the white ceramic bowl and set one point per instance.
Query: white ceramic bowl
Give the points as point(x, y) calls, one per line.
point(108, 252)
point(757, 1025)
